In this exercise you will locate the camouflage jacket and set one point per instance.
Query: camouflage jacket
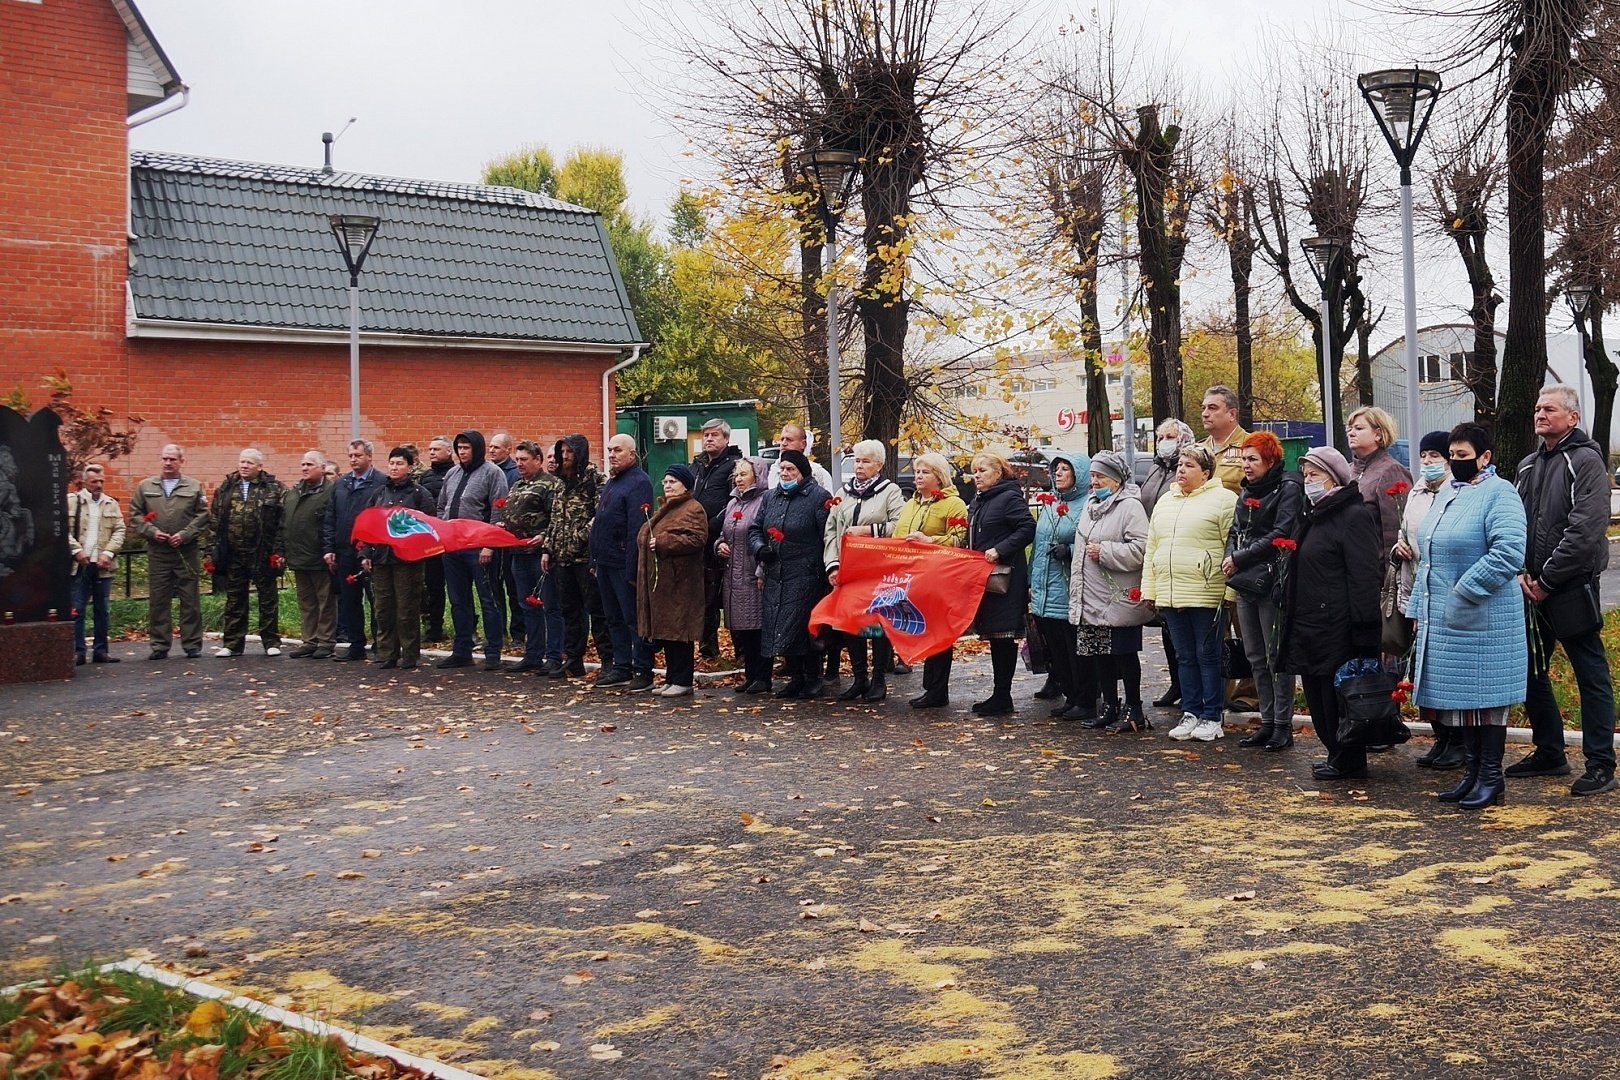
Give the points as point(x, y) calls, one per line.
point(529, 505)
point(245, 529)
point(571, 516)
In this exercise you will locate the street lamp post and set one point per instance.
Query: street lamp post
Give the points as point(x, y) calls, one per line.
point(354, 233)
point(834, 171)
point(1401, 100)
point(1323, 254)
point(1579, 299)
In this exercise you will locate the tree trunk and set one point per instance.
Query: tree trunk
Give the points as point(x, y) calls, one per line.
point(1240, 253)
point(1099, 414)
point(883, 301)
point(1605, 378)
point(1364, 380)
point(1150, 160)
point(813, 317)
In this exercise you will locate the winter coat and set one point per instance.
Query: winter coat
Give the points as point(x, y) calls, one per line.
point(407, 494)
point(740, 580)
point(245, 528)
point(1376, 474)
point(619, 517)
point(795, 577)
point(877, 512)
point(669, 578)
point(1281, 496)
point(527, 512)
point(94, 525)
point(1160, 479)
point(713, 487)
point(1418, 503)
point(184, 512)
point(1186, 543)
point(432, 479)
point(1052, 555)
point(303, 509)
point(1100, 589)
point(934, 516)
point(484, 495)
point(1471, 651)
point(999, 518)
point(1565, 492)
point(350, 495)
point(575, 508)
point(1329, 589)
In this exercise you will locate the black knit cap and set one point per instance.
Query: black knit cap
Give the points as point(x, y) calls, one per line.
point(798, 460)
point(1438, 441)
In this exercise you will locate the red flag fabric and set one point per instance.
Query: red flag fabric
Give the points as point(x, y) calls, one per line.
point(414, 535)
point(923, 595)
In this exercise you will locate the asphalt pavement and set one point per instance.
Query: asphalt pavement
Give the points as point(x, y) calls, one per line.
point(532, 878)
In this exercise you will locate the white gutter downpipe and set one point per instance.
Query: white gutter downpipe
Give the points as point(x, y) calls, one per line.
point(607, 400)
point(170, 104)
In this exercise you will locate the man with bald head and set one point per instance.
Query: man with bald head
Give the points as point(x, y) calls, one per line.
point(170, 512)
point(247, 517)
point(299, 544)
point(619, 517)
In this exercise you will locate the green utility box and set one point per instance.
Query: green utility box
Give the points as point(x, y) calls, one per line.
point(1294, 448)
point(666, 434)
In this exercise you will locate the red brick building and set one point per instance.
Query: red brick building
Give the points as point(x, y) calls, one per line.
point(210, 297)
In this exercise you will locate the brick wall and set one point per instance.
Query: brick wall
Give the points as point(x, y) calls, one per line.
point(63, 187)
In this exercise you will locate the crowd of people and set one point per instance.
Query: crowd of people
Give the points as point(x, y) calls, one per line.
point(1262, 578)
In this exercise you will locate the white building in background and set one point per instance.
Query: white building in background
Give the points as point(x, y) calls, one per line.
point(1046, 392)
point(1443, 354)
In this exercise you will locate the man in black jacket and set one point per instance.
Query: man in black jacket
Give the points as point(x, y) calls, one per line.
point(713, 469)
point(440, 457)
point(350, 495)
point(1565, 488)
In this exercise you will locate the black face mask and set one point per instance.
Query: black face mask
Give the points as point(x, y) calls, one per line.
point(1463, 470)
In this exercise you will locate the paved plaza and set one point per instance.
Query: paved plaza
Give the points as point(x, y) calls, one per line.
point(530, 878)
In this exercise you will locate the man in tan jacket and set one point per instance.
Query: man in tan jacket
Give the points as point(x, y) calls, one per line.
point(95, 536)
point(170, 512)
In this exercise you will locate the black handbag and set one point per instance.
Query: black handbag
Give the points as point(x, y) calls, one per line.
point(1256, 580)
point(1369, 715)
point(1035, 656)
point(1397, 629)
point(999, 581)
point(1572, 610)
point(1234, 657)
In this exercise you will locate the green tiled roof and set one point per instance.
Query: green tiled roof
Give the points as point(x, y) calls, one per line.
point(243, 244)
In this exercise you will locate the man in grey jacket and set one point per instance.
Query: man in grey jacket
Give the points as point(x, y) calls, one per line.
point(473, 488)
point(1565, 488)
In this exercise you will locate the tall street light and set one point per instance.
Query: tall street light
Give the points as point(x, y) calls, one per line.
point(1579, 299)
point(1401, 99)
point(834, 171)
point(1323, 253)
point(354, 233)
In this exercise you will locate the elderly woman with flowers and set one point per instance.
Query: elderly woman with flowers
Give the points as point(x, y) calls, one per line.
point(935, 514)
point(999, 525)
point(741, 584)
point(788, 537)
point(1072, 679)
point(669, 578)
point(869, 505)
point(1105, 590)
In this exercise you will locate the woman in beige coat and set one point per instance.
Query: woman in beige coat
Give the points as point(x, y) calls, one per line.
point(1105, 590)
point(669, 579)
point(869, 504)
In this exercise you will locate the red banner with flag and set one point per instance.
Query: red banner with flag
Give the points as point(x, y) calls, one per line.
point(414, 535)
point(923, 595)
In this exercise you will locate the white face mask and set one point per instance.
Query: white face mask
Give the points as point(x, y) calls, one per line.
point(1166, 449)
point(1314, 490)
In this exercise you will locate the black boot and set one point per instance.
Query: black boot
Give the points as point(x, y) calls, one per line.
point(1261, 736)
point(1131, 721)
point(1168, 699)
point(1282, 736)
point(1452, 757)
point(936, 682)
point(878, 688)
point(1051, 689)
point(997, 704)
point(857, 688)
point(1469, 737)
point(1101, 715)
point(792, 687)
point(1491, 784)
point(1442, 743)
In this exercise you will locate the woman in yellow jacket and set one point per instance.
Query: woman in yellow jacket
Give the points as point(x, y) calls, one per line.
point(1182, 578)
point(934, 515)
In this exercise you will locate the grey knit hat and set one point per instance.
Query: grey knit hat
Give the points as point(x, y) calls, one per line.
point(1111, 464)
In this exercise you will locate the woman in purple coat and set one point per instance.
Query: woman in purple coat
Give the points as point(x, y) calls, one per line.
point(741, 582)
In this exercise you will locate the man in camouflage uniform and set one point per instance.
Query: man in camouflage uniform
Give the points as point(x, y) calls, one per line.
point(569, 556)
point(529, 503)
point(170, 513)
point(247, 518)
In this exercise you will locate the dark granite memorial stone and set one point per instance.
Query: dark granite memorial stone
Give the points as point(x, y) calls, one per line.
point(35, 567)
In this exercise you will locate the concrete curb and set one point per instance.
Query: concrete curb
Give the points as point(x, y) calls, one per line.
point(298, 1021)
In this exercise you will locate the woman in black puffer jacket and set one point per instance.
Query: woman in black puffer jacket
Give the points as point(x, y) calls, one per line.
point(787, 537)
point(1001, 526)
point(1267, 510)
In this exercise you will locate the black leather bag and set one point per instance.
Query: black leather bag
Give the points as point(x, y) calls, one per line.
point(1397, 629)
point(999, 581)
point(1369, 715)
point(1573, 610)
point(1256, 581)
point(1234, 658)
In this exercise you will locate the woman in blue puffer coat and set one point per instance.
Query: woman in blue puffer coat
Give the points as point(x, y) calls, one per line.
point(1470, 661)
point(1072, 679)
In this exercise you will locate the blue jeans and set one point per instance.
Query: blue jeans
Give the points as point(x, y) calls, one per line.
point(1591, 667)
point(619, 605)
point(526, 574)
point(1198, 654)
point(89, 586)
point(462, 574)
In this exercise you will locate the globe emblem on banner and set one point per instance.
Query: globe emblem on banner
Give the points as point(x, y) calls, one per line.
point(401, 524)
point(893, 602)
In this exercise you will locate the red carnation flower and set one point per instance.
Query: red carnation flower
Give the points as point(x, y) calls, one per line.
point(1252, 503)
point(1046, 498)
point(353, 579)
point(1405, 684)
point(500, 504)
point(776, 534)
point(646, 508)
point(208, 566)
point(1397, 489)
point(1134, 596)
point(151, 515)
point(277, 562)
point(736, 515)
point(832, 502)
point(1282, 543)
point(532, 601)
point(956, 523)
point(1397, 695)
point(1062, 509)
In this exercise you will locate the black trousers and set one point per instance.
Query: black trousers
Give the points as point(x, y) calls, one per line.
point(882, 653)
point(433, 596)
point(756, 668)
point(1322, 698)
point(582, 613)
point(680, 661)
point(936, 673)
point(1076, 675)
